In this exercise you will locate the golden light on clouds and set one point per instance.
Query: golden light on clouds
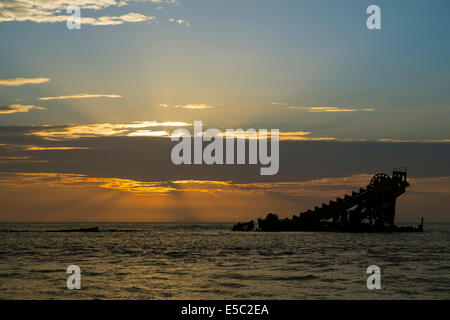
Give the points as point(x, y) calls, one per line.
point(283, 136)
point(44, 11)
point(140, 129)
point(321, 109)
point(15, 82)
point(299, 188)
point(145, 124)
point(330, 109)
point(19, 159)
point(81, 96)
point(78, 131)
point(14, 108)
point(37, 148)
point(388, 140)
point(148, 133)
point(105, 130)
point(47, 197)
point(195, 106)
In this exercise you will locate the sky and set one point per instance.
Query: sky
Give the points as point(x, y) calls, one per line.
point(85, 115)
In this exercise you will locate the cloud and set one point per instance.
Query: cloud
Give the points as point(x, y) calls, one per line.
point(3, 158)
point(330, 109)
point(65, 180)
point(320, 189)
point(389, 140)
point(141, 129)
point(18, 108)
point(302, 136)
point(105, 130)
point(22, 81)
point(99, 198)
point(283, 136)
point(116, 20)
point(148, 158)
point(321, 109)
point(172, 2)
point(81, 96)
point(195, 106)
point(37, 148)
point(311, 187)
point(20, 160)
point(180, 22)
point(148, 133)
point(146, 124)
point(54, 11)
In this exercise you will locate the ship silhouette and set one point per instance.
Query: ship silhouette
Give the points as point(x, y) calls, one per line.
point(371, 209)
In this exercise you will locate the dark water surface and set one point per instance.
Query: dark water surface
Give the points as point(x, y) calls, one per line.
point(207, 261)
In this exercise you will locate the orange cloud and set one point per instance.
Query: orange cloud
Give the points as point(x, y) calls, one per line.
point(283, 136)
point(81, 96)
point(148, 133)
point(47, 197)
point(18, 108)
point(330, 109)
point(22, 81)
point(324, 186)
point(37, 148)
point(105, 130)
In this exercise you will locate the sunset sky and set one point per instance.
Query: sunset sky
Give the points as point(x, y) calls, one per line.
point(86, 115)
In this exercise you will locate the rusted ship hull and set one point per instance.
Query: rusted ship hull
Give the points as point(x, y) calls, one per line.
point(371, 209)
point(290, 225)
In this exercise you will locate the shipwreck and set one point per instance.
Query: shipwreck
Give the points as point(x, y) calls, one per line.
point(371, 209)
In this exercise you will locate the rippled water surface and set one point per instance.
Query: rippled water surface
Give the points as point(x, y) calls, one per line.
point(207, 261)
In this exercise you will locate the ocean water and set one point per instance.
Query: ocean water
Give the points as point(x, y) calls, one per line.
point(208, 261)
